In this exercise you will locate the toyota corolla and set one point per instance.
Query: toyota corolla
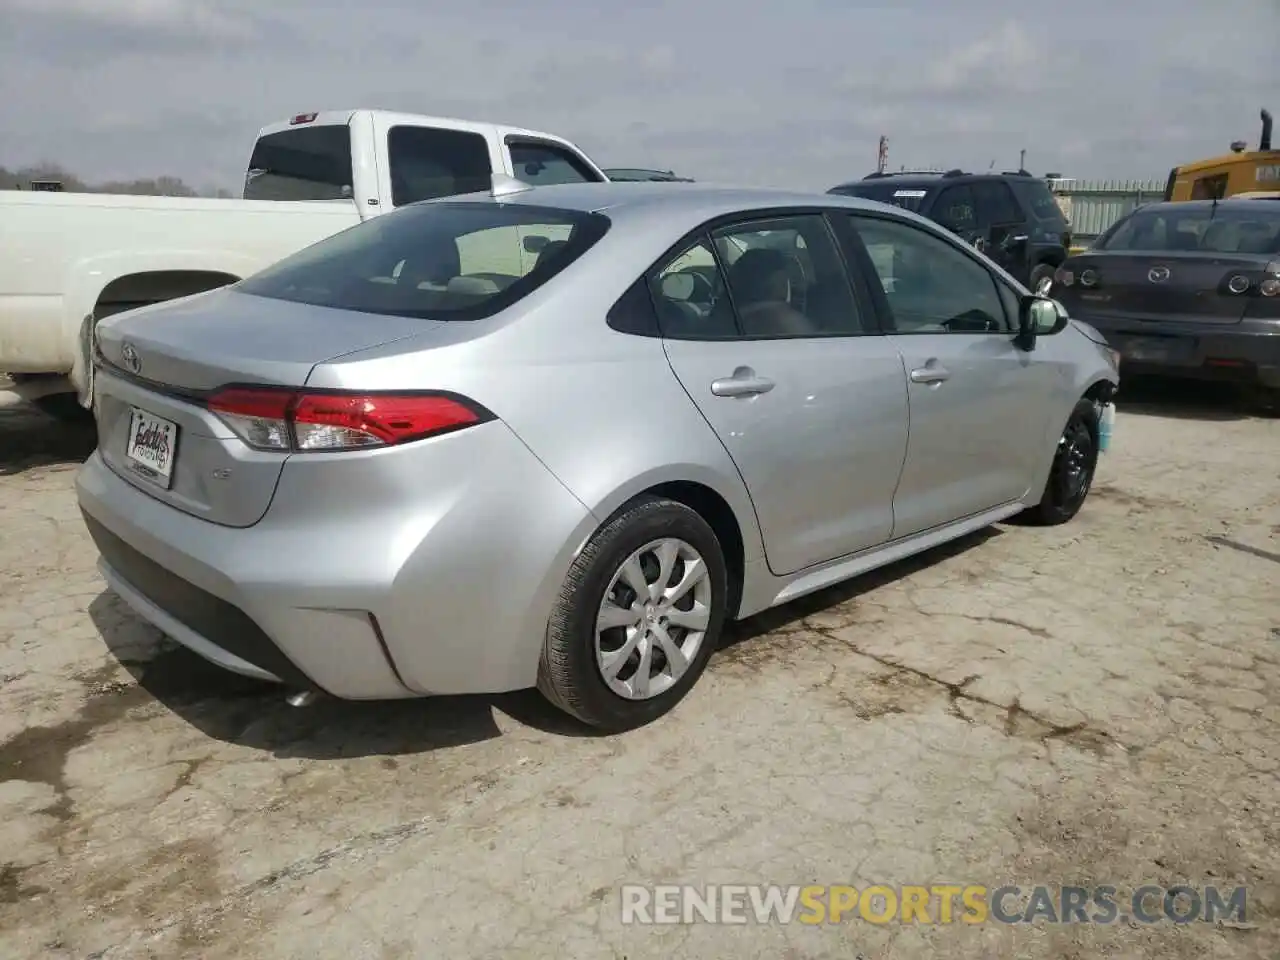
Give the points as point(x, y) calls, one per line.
point(556, 437)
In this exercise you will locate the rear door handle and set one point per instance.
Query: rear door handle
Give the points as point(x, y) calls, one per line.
point(743, 383)
point(930, 374)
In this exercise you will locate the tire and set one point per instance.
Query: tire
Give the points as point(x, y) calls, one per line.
point(1263, 401)
point(571, 672)
point(1066, 489)
point(63, 407)
point(1042, 272)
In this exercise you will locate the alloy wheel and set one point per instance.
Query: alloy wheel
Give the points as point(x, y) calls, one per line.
point(653, 619)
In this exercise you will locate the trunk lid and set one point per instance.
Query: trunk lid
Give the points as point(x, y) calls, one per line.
point(162, 360)
point(1168, 286)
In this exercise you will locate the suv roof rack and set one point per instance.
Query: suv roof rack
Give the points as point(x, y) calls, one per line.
point(904, 173)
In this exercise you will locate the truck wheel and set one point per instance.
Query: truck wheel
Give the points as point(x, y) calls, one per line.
point(638, 617)
point(64, 407)
point(1042, 276)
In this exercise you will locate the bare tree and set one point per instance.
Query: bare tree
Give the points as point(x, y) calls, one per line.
point(164, 186)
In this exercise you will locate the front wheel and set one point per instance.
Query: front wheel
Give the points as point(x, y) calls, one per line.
point(1042, 279)
point(638, 617)
point(1074, 462)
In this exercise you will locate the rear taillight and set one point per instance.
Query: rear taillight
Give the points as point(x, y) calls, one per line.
point(1270, 285)
point(316, 421)
point(1264, 282)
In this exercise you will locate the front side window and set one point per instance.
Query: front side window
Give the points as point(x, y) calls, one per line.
point(996, 203)
point(542, 164)
point(1035, 194)
point(427, 163)
point(438, 261)
point(930, 285)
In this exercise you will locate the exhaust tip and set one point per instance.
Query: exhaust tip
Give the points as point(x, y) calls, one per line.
point(303, 698)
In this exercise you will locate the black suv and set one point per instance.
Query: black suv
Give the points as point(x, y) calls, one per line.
point(1011, 217)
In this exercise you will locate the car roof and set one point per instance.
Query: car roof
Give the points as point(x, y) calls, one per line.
point(705, 200)
point(1230, 203)
point(930, 178)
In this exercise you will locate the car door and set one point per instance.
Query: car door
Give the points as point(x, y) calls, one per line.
point(785, 361)
point(1003, 226)
point(976, 400)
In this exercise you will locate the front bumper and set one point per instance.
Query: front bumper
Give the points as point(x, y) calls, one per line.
point(1244, 352)
point(358, 582)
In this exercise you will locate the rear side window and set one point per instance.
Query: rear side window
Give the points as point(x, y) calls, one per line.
point(1037, 198)
point(908, 197)
point(541, 164)
point(427, 163)
point(955, 209)
point(437, 261)
point(306, 163)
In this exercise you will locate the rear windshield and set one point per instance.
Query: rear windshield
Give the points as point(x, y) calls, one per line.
point(307, 163)
point(907, 197)
point(437, 260)
point(1036, 195)
point(1209, 229)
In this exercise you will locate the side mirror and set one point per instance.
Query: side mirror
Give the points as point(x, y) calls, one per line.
point(534, 244)
point(1039, 317)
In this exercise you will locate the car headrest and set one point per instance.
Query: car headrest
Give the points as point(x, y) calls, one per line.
point(678, 286)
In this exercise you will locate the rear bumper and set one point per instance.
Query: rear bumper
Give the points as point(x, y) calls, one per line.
point(1245, 352)
point(358, 582)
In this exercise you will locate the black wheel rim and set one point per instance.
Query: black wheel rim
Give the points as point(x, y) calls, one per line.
point(1074, 464)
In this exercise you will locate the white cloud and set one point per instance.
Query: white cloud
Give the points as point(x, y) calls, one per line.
point(204, 16)
point(795, 93)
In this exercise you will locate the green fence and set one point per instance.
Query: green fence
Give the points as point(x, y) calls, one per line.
point(1094, 205)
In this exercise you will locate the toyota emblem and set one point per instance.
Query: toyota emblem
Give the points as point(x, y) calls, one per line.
point(1158, 274)
point(131, 358)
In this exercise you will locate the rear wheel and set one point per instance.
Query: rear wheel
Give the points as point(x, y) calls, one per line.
point(64, 407)
point(1264, 400)
point(638, 617)
point(1074, 462)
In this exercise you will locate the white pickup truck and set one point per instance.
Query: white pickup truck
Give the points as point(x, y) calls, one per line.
point(69, 259)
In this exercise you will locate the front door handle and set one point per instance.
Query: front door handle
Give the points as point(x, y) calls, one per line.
point(743, 383)
point(930, 374)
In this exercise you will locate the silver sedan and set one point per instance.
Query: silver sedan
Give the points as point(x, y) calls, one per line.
point(555, 437)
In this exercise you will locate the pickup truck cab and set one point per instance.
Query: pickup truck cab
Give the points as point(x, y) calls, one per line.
point(69, 259)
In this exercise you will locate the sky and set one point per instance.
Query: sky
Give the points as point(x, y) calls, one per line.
point(792, 93)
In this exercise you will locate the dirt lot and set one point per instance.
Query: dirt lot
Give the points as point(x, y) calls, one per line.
point(1092, 704)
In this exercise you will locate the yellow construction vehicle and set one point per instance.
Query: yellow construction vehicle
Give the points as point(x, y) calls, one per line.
point(1240, 171)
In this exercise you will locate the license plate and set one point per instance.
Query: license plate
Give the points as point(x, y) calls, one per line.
point(1152, 348)
point(152, 447)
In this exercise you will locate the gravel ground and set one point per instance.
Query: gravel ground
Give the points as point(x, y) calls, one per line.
point(1092, 704)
